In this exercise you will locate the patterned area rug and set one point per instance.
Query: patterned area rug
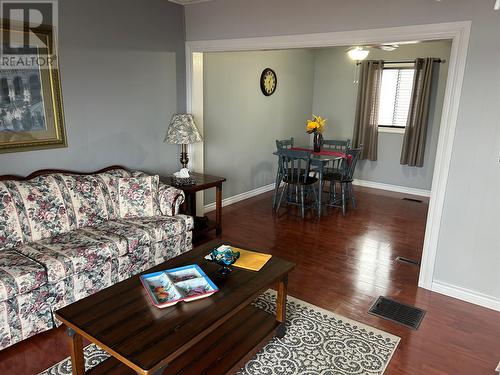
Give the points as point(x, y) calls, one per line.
point(317, 342)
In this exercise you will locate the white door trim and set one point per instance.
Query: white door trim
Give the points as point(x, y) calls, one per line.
point(194, 91)
point(458, 32)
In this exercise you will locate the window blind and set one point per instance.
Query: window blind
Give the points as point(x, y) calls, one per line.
point(395, 96)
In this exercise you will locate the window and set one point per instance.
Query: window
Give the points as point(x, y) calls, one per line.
point(4, 91)
point(395, 95)
point(18, 86)
point(35, 88)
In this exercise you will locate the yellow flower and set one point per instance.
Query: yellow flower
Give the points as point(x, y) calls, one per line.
point(320, 121)
point(316, 125)
point(312, 126)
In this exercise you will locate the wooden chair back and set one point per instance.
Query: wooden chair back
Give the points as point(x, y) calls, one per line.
point(350, 166)
point(295, 165)
point(284, 143)
point(336, 144)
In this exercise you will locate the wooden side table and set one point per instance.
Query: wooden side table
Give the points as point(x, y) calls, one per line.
point(202, 225)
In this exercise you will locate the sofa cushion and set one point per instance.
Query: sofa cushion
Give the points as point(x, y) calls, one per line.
point(127, 238)
point(171, 247)
point(69, 253)
point(134, 263)
point(25, 315)
point(82, 284)
point(86, 198)
point(135, 234)
point(110, 181)
point(162, 227)
point(11, 234)
point(40, 207)
point(138, 196)
point(169, 199)
point(19, 274)
point(189, 220)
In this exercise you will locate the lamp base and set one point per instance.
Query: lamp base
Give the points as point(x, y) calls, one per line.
point(184, 156)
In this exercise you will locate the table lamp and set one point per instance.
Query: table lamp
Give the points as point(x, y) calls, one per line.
point(182, 131)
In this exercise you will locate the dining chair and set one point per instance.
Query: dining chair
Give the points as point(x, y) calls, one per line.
point(336, 144)
point(332, 173)
point(295, 166)
point(340, 145)
point(283, 144)
point(343, 175)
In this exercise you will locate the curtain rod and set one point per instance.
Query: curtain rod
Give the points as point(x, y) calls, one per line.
point(437, 60)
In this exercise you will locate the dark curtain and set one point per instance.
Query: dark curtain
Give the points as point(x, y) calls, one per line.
point(365, 123)
point(413, 150)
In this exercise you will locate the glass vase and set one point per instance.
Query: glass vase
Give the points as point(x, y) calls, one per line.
point(317, 142)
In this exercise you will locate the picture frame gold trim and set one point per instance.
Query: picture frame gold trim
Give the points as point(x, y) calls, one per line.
point(55, 136)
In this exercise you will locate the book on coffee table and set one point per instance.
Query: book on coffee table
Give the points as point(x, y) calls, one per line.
point(168, 287)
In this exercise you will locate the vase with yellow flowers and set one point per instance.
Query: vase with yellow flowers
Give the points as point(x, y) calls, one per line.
point(316, 126)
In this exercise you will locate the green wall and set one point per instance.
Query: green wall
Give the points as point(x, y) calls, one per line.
point(241, 124)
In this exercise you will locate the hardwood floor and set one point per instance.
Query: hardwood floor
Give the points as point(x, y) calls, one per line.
point(343, 265)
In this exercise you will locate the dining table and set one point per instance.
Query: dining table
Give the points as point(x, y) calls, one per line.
point(320, 161)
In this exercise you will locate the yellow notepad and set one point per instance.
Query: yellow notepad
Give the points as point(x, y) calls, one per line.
point(251, 260)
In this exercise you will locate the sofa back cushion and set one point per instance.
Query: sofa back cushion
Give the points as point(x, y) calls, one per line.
point(40, 207)
point(138, 196)
point(110, 182)
point(11, 234)
point(86, 198)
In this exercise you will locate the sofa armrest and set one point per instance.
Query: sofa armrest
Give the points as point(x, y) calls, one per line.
point(169, 199)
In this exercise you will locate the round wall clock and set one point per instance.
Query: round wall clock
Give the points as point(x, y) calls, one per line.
point(268, 81)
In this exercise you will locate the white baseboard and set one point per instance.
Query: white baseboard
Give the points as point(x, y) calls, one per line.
point(396, 188)
point(466, 295)
point(263, 189)
point(239, 197)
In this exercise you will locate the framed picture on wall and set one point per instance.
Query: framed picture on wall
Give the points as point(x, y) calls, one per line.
point(31, 108)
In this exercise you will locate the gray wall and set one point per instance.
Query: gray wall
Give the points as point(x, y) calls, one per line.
point(123, 76)
point(335, 99)
point(469, 239)
point(241, 124)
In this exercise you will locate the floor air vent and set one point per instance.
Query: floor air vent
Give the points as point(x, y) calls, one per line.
point(412, 200)
point(409, 316)
point(408, 261)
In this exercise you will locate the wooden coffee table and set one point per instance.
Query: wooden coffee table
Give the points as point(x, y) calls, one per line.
point(214, 335)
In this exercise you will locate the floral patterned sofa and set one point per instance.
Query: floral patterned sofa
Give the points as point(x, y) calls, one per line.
point(65, 236)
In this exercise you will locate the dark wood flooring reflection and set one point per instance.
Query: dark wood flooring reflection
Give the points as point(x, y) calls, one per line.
point(343, 265)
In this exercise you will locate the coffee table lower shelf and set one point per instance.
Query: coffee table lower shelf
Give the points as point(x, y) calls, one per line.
point(223, 351)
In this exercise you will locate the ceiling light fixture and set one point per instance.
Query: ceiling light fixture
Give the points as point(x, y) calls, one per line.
point(408, 42)
point(358, 53)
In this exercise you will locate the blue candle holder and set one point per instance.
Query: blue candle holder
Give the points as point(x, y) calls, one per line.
point(224, 256)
